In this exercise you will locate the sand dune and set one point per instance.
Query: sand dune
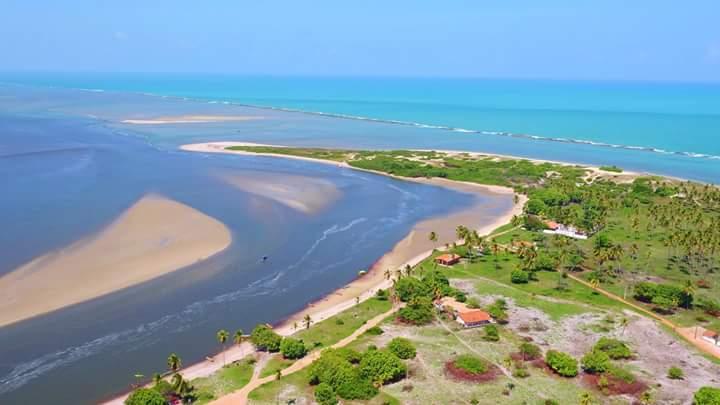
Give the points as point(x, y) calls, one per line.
point(153, 237)
point(305, 194)
point(190, 119)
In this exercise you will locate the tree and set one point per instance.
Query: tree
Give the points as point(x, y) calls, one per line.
point(174, 363)
point(433, 237)
point(222, 337)
point(491, 333)
point(519, 276)
point(380, 367)
point(561, 363)
point(419, 311)
point(529, 351)
point(325, 395)
point(707, 396)
point(595, 362)
point(292, 348)
point(238, 337)
point(614, 348)
point(145, 396)
point(264, 338)
point(307, 320)
point(402, 348)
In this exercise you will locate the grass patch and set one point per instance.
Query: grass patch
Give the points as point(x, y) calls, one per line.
point(275, 363)
point(228, 379)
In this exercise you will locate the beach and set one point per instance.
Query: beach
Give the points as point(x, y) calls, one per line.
point(189, 119)
point(411, 250)
point(154, 237)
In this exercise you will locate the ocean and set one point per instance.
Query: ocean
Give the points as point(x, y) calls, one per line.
point(69, 166)
point(664, 128)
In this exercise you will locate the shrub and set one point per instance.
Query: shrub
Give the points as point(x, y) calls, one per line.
point(382, 295)
point(520, 371)
point(612, 168)
point(707, 396)
point(470, 364)
point(331, 368)
point(145, 396)
point(408, 288)
point(292, 348)
point(357, 389)
point(519, 276)
point(339, 321)
point(350, 355)
point(379, 366)
point(325, 395)
point(710, 306)
point(621, 373)
point(264, 338)
point(403, 348)
point(375, 331)
point(529, 351)
point(472, 303)
point(562, 363)
point(418, 312)
point(498, 313)
point(491, 333)
point(675, 373)
point(595, 362)
point(614, 348)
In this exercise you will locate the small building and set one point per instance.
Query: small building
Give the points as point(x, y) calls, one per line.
point(473, 318)
point(447, 259)
point(552, 225)
point(712, 337)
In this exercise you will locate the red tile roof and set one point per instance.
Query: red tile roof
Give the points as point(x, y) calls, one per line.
point(552, 225)
point(710, 334)
point(447, 257)
point(474, 316)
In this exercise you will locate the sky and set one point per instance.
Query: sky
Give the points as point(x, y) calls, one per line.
point(549, 39)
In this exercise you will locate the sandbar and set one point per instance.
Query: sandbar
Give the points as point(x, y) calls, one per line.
point(155, 236)
point(190, 119)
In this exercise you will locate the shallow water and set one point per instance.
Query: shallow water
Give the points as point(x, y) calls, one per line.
point(65, 175)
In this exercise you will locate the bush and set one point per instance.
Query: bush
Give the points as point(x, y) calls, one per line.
point(621, 373)
point(562, 363)
point(325, 395)
point(379, 366)
point(403, 348)
point(519, 276)
point(614, 348)
point(472, 303)
point(491, 333)
point(145, 396)
point(498, 313)
point(350, 355)
point(707, 396)
point(418, 312)
point(675, 373)
point(375, 331)
point(382, 295)
point(264, 338)
point(408, 288)
point(529, 351)
point(595, 362)
point(470, 364)
point(333, 369)
point(292, 348)
point(357, 389)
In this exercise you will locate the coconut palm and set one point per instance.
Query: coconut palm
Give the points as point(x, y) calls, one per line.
point(238, 337)
point(688, 290)
point(156, 379)
point(433, 237)
point(307, 320)
point(174, 363)
point(388, 274)
point(222, 337)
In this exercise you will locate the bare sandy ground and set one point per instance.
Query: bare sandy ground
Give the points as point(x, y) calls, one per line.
point(153, 237)
point(305, 194)
point(190, 119)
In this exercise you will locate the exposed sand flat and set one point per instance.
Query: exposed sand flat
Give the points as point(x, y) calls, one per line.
point(153, 237)
point(302, 193)
point(190, 119)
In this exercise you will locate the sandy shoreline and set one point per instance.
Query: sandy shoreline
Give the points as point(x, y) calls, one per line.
point(411, 250)
point(154, 237)
point(190, 119)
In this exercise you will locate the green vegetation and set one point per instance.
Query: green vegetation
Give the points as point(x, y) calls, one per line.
point(381, 367)
point(265, 339)
point(675, 373)
point(562, 363)
point(145, 396)
point(519, 276)
point(275, 364)
point(292, 348)
point(707, 396)
point(595, 362)
point(228, 379)
point(402, 348)
point(418, 311)
point(325, 395)
point(491, 333)
point(612, 168)
point(470, 364)
point(615, 349)
point(529, 351)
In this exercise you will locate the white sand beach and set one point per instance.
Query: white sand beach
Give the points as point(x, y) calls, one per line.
point(155, 236)
point(189, 119)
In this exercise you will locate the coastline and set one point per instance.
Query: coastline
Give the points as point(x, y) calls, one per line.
point(406, 252)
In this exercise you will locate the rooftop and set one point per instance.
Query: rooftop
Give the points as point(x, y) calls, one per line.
point(474, 316)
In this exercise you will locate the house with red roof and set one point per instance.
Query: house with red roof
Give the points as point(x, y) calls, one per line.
point(473, 318)
point(447, 259)
point(712, 337)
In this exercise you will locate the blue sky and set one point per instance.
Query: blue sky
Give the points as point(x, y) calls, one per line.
point(571, 39)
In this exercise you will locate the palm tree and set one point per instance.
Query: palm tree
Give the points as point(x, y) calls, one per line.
point(688, 290)
point(222, 337)
point(238, 337)
point(307, 321)
point(595, 283)
point(586, 399)
point(174, 363)
point(433, 237)
point(388, 274)
point(156, 379)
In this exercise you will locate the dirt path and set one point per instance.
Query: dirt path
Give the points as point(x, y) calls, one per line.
point(687, 335)
point(240, 397)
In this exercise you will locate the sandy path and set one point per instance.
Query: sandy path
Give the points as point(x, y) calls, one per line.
point(240, 397)
point(154, 237)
